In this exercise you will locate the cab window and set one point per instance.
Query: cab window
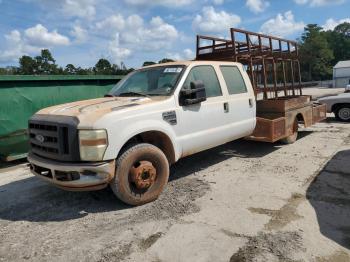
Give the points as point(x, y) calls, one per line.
point(234, 80)
point(208, 76)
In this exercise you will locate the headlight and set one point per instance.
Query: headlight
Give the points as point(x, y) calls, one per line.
point(92, 144)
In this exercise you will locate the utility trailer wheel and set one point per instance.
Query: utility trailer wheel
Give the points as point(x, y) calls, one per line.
point(142, 172)
point(292, 138)
point(343, 113)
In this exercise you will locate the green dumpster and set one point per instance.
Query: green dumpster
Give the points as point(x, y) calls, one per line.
point(22, 96)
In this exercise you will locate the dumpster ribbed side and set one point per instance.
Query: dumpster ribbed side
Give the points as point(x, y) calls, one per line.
point(23, 96)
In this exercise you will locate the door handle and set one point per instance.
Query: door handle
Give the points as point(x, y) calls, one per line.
point(251, 102)
point(226, 107)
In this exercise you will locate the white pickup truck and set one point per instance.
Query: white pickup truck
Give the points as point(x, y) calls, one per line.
point(148, 121)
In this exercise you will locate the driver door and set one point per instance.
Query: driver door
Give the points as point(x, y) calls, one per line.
point(202, 126)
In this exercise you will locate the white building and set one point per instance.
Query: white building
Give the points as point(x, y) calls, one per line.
point(341, 74)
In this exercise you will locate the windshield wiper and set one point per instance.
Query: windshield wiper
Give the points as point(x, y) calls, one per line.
point(132, 94)
point(155, 94)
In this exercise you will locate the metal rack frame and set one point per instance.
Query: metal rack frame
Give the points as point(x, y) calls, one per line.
point(266, 59)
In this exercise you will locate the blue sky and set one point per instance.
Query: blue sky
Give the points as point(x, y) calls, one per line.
point(134, 31)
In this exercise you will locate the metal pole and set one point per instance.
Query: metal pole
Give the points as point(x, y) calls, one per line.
point(292, 71)
point(252, 75)
point(284, 79)
point(234, 44)
point(265, 80)
point(275, 78)
point(299, 72)
point(198, 42)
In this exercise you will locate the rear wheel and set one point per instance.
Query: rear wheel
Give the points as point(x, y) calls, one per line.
point(142, 172)
point(343, 113)
point(293, 137)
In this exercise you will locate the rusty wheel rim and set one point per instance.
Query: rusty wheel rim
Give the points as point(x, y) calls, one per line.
point(143, 175)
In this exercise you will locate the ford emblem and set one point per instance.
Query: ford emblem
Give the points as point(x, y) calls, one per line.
point(40, 138)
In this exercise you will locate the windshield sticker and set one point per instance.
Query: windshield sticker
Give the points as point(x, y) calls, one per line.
point(173, 70)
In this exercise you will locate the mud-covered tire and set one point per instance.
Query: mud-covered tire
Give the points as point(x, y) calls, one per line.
point(292, 138)
point(343, 113)
point(123, 186)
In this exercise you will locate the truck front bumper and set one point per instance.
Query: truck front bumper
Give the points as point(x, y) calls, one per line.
point(73, 176)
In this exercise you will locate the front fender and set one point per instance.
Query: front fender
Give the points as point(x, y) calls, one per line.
point(117, 137)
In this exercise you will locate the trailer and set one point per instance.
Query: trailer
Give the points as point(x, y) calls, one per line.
point(273, 66)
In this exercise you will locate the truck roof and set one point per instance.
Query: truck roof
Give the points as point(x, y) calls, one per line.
point(197, 62)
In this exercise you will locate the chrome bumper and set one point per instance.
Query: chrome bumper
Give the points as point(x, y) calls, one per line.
point(73, 176)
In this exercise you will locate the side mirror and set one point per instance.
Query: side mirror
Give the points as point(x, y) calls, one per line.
point(195, 95)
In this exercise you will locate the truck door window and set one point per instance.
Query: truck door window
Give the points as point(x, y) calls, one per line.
point(234, 80)
point(208, 76)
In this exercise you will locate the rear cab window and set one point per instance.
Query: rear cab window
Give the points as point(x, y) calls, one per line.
point(234, 80)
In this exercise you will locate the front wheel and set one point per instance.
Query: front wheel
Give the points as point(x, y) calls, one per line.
point(343, 113)
point(142, 172)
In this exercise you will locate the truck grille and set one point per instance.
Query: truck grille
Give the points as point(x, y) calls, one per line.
point(55, 140)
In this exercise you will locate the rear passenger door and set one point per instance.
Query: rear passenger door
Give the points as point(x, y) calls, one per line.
point(241, 101)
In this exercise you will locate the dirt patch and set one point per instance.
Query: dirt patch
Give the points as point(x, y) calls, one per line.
point(339, 256)
point(177, 201)
point(232, 234)
point(282, 217)
point(269, 247)
point(87, 215)
point(119, 253)
point(148, 242)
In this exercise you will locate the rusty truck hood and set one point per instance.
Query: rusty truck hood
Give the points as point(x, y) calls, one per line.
point(90, 110)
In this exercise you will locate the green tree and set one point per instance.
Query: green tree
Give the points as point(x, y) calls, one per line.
point(339, 42)
point(9, 70)
point(46, 64)
point(165, 60)
point(27, 65)
point(70, 69)
point(103, 67)
point(316, 55)
point(343, 29)
point(148, 63)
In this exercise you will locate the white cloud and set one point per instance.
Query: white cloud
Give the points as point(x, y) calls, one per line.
point(282, 25)
point(186, 54)
point(31, 41)
point(166, 3)
point(331, 23)
point(14, 36)
point(79, 8)
point(174, 56)
point(70, 8)
point(14, 50)
point(40, 36)
point(301, 2)
point(257, 6)
point(153, 36)
point(116, 52)
point(132, 34)
point(80, 34)
point(210, 21)
point(218, 2)
point(116, 22)
point(315, 3)
point(189, 54)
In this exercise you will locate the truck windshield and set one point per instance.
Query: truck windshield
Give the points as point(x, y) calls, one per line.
point(154, 81)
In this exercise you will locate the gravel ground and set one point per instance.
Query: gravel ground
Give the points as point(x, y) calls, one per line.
point(243, 201)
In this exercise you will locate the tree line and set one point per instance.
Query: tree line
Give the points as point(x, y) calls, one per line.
point(45, 64)
point(319, 51)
